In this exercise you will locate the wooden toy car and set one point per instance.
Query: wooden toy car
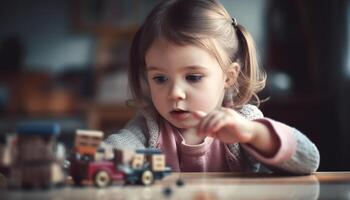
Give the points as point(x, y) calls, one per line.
point(100, 168)
point(146, 166)
point(82, 159)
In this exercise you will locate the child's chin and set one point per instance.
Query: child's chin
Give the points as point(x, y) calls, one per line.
point(186, 124)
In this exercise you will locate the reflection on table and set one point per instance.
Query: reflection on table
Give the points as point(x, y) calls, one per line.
point(324, 185)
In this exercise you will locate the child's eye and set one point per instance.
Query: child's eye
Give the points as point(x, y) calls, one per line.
point(194, 78)
point(160, 79)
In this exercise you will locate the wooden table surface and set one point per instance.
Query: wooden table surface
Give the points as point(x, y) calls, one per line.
point(202, 186)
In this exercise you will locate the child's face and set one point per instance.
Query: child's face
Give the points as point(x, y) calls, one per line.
point(183, 79)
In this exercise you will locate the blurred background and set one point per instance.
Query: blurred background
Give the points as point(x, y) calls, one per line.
point(65, 61)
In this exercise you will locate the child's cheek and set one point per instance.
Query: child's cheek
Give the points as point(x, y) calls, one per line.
point(207, 103)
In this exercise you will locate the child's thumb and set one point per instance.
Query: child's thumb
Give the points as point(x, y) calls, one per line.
point(199, 114)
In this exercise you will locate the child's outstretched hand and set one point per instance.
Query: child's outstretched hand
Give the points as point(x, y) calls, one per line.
point(226, 125)
point(230, 127)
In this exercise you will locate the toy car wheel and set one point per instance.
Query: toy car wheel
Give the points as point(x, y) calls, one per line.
point(147, 177)
point(102, 179)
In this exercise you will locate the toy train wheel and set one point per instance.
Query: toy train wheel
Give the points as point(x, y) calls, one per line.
point(102, 179)
point(147, 177)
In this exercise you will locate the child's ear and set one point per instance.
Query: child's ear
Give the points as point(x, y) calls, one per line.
point(232, 74)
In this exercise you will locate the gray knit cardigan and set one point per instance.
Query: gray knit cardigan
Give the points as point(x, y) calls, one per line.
point(143, 131)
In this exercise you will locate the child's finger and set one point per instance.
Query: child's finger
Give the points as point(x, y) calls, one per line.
point(209, 121)
point(199, 114)
point(216, 123)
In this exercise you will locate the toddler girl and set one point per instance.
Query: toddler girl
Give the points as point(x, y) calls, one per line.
point(194, 77)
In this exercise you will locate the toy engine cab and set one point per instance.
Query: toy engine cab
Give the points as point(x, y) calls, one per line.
point(86, 143)
point(34, 161)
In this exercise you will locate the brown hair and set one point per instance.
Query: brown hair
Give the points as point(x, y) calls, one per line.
point(204, 23)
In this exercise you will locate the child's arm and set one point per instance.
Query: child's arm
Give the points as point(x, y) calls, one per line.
point(230, 127)
point(264, 139)
point(271, 142)
point(296, 154)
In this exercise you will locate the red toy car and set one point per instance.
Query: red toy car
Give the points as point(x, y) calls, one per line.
point(102, 173)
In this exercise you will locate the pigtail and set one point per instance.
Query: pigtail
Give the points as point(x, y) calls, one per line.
point(251, 79)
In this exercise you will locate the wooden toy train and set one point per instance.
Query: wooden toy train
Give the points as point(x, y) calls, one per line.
point(31, 160)
point(91, 160)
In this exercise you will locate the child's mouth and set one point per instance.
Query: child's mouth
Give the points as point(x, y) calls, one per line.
point(180, 114)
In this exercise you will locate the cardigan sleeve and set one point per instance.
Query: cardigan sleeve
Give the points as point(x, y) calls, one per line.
point(132, 136)
point(296, 154)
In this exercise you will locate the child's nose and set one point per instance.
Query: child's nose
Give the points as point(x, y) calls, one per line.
point(176, 92)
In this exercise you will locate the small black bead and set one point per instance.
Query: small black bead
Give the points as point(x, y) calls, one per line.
point(180, 182)
point(167, 191)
